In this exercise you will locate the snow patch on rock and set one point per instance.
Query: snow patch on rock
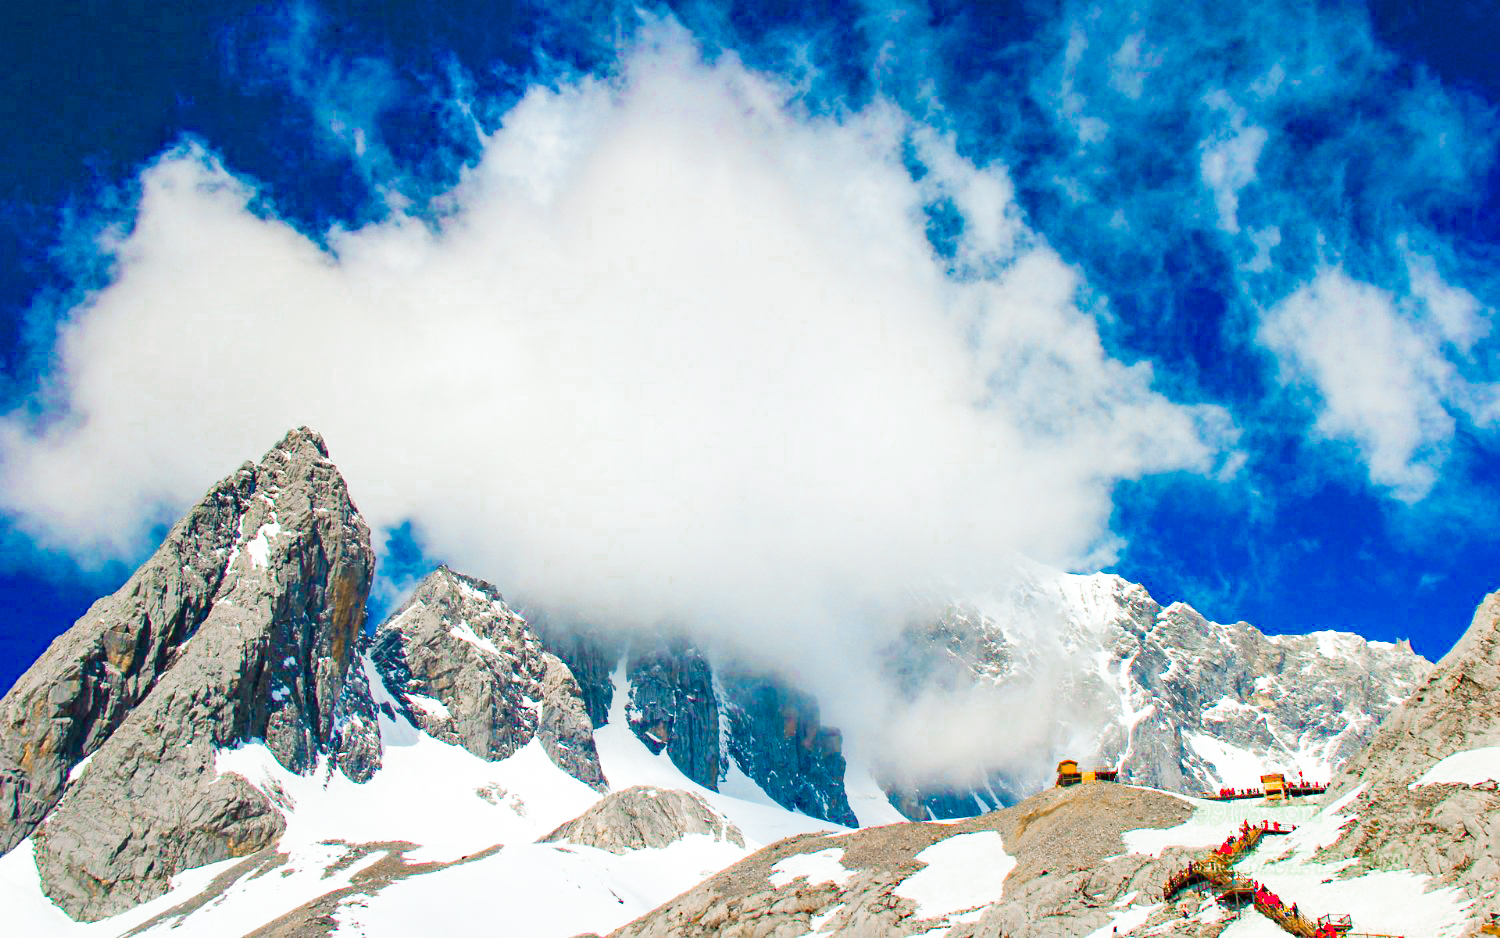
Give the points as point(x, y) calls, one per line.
point(463, 631)
point(1470, 767)
point(821, 866)
point(963, 872)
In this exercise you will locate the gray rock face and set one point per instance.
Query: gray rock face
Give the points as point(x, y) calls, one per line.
point(703, 720)
point(1069, 871)
point(590, 656)
point(468, 670)
point(240, 627)
point(1161, 693)
point(673, 707)
point(1449, 831)
point(642, 817)
point(776, 739)
point(85, 684)
point(356, 724)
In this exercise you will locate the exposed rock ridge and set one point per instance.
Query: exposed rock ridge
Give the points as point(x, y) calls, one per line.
point(86, 682)
point(645, 816)
point(467, 669)
point(241, 627)
point(1449, 831)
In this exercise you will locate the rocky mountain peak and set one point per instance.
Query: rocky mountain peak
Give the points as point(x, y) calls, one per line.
point(240, 626)
point(300, 439)
point(468, 670)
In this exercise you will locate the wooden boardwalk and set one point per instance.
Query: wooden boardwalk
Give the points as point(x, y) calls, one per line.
point(1215, 868)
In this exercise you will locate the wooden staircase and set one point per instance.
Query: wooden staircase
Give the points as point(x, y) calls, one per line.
point(1216, 868)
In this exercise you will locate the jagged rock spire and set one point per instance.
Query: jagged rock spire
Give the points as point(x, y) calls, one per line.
point(240, 626)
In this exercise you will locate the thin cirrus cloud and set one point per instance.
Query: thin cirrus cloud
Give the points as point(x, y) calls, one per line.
point(1280, 156)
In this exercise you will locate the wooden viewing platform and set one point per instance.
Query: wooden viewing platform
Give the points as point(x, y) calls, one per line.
point(1291, 791)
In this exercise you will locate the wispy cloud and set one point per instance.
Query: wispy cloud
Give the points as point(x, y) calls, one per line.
point(1381, 371)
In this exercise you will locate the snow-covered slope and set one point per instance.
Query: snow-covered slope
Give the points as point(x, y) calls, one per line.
point(1091, 860)
point(435, 841)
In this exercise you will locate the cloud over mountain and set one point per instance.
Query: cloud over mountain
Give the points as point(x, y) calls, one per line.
point(674, 345)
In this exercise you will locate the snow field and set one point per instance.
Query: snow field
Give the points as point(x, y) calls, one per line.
point(427, 792)
point(1470, 767)
point(1131, 918)
point(867, 799)
point(962, 873)
point(537, 890)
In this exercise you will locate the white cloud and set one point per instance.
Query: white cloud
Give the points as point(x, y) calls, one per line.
point(1227, 160)
point(1455, 312)
point(1379, 367)
point(678, 352)
point(1070, 104)
point(1131, 64)
point(1265, 240)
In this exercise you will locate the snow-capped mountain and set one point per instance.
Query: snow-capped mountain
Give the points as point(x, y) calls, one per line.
point(220, 748)
point(1169, 698)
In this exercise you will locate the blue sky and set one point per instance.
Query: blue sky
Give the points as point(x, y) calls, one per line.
point(1213, 283)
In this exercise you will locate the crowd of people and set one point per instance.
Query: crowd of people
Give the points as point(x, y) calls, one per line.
point(1240, 793)
point(1301, 786)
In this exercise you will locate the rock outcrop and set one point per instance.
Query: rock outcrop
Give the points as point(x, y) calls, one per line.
point(1066, 870)
point(645, 816)
point(775, 737)
point(673, 706)
point(468, 670)
point(241, 627)
point(1448, 830)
